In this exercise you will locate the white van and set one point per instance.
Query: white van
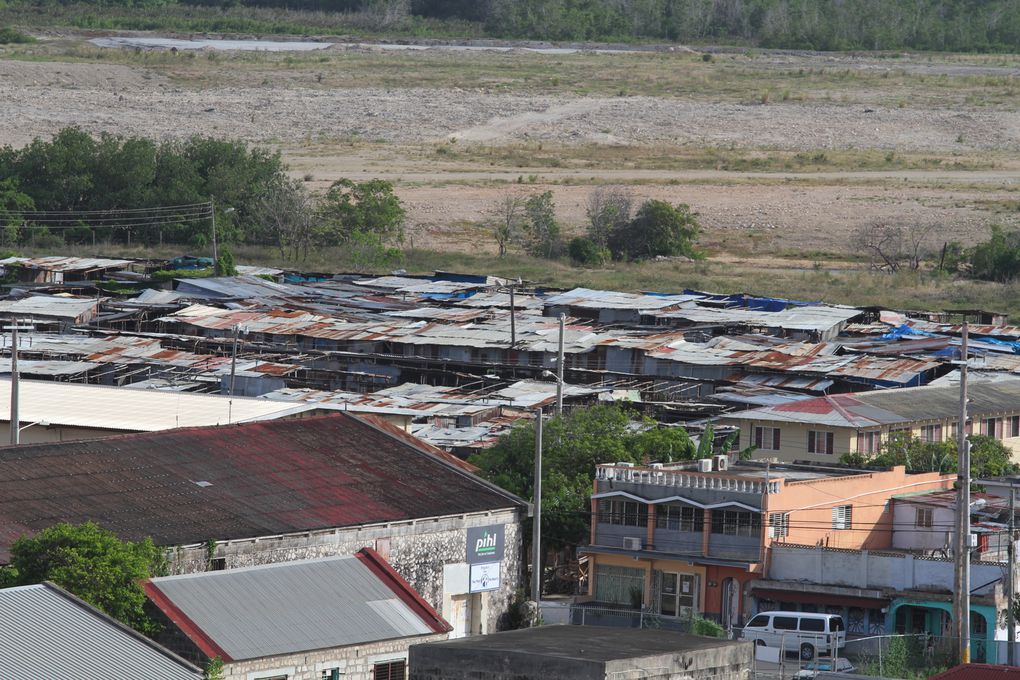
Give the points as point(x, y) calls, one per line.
point(806, 633)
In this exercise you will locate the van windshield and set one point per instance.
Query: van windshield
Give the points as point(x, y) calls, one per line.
point(836, 623)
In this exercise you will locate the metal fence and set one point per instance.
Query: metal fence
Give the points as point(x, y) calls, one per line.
point(625, 617)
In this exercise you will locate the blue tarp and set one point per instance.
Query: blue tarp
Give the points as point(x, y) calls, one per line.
point(904, 330)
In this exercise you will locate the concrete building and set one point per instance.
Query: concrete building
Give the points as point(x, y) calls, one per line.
point(347, 616)
point(582, 653)
point(684, 538)
point(284, 490)
point(824, 428)
point(46, 632)
point(883, 592)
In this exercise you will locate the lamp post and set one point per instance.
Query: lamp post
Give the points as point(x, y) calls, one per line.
point(536, 559)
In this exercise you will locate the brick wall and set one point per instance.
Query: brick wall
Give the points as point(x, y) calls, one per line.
point(355, 663)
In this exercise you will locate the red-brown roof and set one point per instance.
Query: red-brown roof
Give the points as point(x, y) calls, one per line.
point(274, 477)
point(979, 671)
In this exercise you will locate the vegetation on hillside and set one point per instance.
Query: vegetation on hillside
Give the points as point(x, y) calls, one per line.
point(945, 25)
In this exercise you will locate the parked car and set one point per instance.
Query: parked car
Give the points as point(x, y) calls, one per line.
point(813, 668)
point(806, 633)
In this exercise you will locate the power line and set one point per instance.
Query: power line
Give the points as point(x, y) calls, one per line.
point(206, 205)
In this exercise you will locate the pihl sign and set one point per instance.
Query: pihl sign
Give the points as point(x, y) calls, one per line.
point(485, 544)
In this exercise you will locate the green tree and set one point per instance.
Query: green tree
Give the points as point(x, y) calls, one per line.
point(658, 228)
point(573, 444)
point(585, 251)
point(367, 207)
point(988, 456)
point(998, 258)
point(541, 230)
point(95, 565)
point(225, 264)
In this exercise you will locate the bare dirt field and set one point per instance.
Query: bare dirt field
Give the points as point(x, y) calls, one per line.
point(780, 153)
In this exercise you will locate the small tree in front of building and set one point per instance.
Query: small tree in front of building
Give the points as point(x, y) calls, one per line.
point(95, 565)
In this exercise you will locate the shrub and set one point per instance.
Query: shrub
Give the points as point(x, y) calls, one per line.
point(9, 36)
point(585, 251)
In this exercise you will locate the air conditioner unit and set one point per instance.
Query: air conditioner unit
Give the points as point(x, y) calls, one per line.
point(705, 465)
point(632, 543)
point(722, 463)
point(656, 466)
point(625, 465)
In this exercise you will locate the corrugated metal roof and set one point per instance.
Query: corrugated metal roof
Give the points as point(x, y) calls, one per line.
point(609, 299)
point(47, 633)
point(67, 264)
point(59, 307)
point(291, 607)
point(116, 408)
point(266, 479)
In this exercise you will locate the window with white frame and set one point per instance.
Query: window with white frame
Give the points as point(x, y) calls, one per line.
point(819, 441)
point(766, 438)
point(992, 427)
point(736, 523)
point(780, 524)
point(869, 442)
point(842, 517)
point(623, 512)
point(679, 517)
point(1013, 430)
point(931, 433)
point(923, 518)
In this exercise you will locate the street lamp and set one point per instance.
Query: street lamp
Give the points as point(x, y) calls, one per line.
point(559, 388)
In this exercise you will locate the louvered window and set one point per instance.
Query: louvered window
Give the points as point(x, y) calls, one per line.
point(391, 670)
point(766, 438)
point(842, 517)
point(819, 442)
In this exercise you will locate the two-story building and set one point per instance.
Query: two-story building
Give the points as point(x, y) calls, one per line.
point(691, 537)
point(824, 428)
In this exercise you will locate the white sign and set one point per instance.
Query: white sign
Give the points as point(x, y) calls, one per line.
point(484, 577)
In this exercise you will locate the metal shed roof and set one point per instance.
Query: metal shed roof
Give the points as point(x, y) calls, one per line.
point(293, 607)
point(47, 632)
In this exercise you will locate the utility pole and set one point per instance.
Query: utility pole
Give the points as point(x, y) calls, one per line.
point(961, 601)
point(559, 368)
point(536, 540)
point(233, 362)
point(215, 251)
point(513, 319)
point(15, 413)
point(1010, 587)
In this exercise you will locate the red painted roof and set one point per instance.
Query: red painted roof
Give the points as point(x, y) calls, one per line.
point(979, 671)
point(274, 477)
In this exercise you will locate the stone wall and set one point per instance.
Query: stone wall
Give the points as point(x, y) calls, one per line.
point(355, 663)
point(418, 550)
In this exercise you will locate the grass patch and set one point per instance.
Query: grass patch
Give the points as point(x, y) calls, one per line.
point(617, 157)
point(10, 36)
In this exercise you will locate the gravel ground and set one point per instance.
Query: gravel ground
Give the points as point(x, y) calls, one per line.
point(40, 98)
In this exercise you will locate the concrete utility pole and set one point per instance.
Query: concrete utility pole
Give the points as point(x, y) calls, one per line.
point(513, 319)
point(215, 251)
point(536, 539)
point(559, 368)
point(961, 601)
point(15, 413)
point(233, 362)
point(1010, 588)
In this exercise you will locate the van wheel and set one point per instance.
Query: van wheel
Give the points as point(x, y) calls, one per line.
point(759, 643)
point(807, 652)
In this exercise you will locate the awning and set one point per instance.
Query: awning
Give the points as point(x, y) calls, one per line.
point(821, 598)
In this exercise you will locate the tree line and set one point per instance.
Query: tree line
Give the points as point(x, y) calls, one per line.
point(68, 190)
point(941, 25)
point(614, 229)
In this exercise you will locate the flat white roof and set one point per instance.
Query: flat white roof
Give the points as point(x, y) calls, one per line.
point(130, 410)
